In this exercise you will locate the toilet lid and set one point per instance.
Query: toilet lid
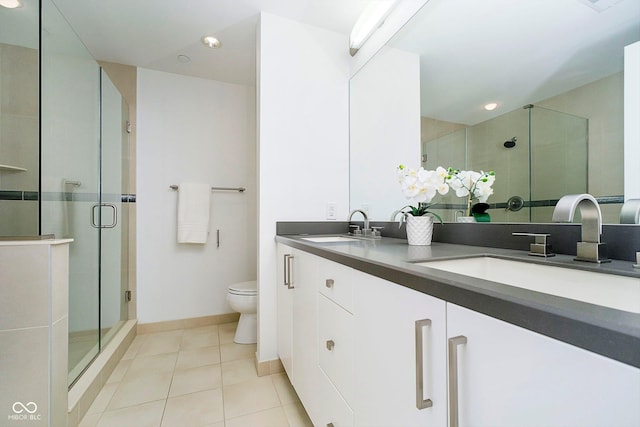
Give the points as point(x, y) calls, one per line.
point(244, 288)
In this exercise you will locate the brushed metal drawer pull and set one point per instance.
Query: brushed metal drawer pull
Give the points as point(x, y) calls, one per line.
point(330, 345)
point(453, 378)
point(421, 402)
point(289, 262)
point(329, 283)
point(286, 269)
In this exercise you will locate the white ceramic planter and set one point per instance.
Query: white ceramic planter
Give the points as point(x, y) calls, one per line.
point(419, 230)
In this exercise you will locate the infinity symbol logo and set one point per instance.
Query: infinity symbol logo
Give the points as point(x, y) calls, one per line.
point(19, 407)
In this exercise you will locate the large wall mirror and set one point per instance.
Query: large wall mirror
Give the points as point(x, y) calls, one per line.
point(555, 69)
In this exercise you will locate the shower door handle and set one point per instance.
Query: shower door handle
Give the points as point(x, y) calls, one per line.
point(101, 205)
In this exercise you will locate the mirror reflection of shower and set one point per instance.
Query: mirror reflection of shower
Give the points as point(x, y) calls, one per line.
point(537, 153)
point(510, 143)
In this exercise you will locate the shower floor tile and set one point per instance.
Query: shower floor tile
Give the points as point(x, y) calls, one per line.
point(197, 374)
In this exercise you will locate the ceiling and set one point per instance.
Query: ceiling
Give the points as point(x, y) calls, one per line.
point(472, 52)
point(152, 33)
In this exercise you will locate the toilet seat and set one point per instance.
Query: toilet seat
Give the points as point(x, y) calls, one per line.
point(244, 288)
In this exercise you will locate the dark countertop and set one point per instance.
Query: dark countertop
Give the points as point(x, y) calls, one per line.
point(610, 332)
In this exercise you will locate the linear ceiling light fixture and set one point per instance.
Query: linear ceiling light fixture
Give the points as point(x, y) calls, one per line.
point(10, 4)
point(370, 19)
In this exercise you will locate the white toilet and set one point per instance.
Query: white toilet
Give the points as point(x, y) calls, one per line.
point(243, 298)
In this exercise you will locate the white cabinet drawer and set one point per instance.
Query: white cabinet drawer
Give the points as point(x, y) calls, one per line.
point(336, 282)
point(336, 345)
point(333, 410)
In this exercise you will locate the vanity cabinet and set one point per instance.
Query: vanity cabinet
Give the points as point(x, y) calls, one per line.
point(508, 375)
point(362, 351)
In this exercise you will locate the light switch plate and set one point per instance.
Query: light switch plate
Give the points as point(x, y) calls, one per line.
point(332, 210)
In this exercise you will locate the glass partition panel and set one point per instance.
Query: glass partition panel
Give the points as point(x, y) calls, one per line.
point(113, 244)
point(19, 119)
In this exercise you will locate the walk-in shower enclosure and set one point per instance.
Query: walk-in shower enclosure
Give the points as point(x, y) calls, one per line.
point(64, 151)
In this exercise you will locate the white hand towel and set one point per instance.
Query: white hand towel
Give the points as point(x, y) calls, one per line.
point(193, 212)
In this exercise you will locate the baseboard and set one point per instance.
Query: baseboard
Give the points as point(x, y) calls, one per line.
point(268, 367)
point(193, 322)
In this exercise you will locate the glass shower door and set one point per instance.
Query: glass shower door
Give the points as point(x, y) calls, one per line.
point(70, 173)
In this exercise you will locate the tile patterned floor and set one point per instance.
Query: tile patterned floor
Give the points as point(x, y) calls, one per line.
point(194, 377)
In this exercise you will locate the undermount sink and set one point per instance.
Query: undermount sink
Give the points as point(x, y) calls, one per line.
point(607, 290)
point(330, 239)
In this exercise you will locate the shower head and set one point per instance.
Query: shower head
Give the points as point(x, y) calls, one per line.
point(511, 142)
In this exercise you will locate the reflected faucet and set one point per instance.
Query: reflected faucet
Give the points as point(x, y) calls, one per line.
point(590, 248)
point(366, 229)
point(630, 212)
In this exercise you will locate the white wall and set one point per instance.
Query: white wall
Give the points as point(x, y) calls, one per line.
point(303, 141)
point(191, 129)
point(385, 130)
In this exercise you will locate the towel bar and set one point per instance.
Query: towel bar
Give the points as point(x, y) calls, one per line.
point(239, 189)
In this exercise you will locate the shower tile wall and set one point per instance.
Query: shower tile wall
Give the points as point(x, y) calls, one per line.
point(33, 332)
point(19, 137)
point(432, 129)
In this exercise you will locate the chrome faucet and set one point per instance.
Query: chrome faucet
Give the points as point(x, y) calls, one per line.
point(366, 230)
point(590, 248)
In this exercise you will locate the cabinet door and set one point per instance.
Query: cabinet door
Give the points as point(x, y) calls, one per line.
point(508, 376)
point(304, 328)
point(285, 307)
point(400, 377)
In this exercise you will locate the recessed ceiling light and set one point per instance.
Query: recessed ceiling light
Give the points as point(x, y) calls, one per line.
point(183, 59)
point(10, 4)
point(490, 106)
point(211, 42)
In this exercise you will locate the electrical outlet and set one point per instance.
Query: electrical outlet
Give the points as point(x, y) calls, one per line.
point(332, 210)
